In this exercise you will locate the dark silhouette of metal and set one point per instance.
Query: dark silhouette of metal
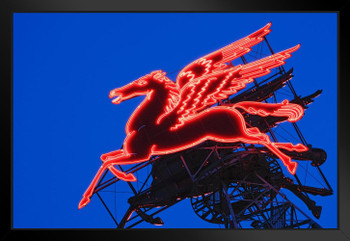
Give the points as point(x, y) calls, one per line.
point(233, 185)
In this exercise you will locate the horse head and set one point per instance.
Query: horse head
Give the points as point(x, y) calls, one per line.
point(141, 86)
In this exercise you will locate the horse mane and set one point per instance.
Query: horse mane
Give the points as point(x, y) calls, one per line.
point(173, 94)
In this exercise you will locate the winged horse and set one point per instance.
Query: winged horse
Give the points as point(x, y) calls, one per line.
point(177, 116)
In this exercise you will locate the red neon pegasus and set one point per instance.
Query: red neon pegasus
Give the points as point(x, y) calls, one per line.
point(176, 116)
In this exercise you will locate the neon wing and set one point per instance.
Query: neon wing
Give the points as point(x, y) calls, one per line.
point(206, 90)
point(217, 60)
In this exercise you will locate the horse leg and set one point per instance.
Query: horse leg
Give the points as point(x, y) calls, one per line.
point(134, 143)
point(89, 191)
point(263, 139)
point(113, 155)
point(253, 130)
point(287, 146)
point(290, 147)
point(291, 166)
point(121, 159)
point(110, 155)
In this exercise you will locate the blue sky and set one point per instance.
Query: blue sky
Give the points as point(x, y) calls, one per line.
point(65, 64)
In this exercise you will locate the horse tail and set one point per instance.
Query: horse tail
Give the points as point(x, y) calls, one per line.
point(294, 112)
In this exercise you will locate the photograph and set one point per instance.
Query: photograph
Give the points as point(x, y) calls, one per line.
point(175, 120)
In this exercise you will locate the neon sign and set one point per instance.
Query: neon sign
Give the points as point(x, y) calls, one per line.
point(177, 116)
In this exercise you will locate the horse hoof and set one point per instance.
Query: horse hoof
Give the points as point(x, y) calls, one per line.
point(301, 147)
point(130, 177)
point(292, 167)
point(83, 202)
point(103, 157)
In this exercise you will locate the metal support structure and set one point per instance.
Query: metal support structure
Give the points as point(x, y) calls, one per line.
point(301, 137)
point(227, 197)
